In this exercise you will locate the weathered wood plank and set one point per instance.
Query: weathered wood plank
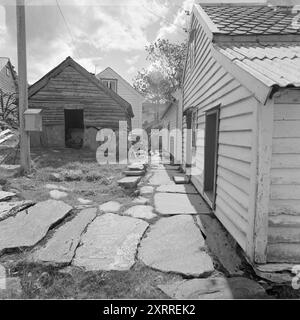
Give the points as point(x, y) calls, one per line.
point(286, 176)
point(287, 129)
point(237, 194)
point(242, 138)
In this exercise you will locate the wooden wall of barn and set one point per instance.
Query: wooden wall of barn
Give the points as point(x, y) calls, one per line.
point(71, 90)
point(284, 205)
point(207, 85)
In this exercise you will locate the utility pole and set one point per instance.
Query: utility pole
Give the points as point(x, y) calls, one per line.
point(22, 86)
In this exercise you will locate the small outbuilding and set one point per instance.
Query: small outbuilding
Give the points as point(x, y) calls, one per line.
point(241, 102)
point(171, 119)
point(75, 105)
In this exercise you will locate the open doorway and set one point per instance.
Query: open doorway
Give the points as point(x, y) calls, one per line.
point(74, 128)
point(211, 153)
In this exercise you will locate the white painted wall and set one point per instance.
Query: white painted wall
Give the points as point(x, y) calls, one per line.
point(128, 93)
point(207, 85)
point(284, 205)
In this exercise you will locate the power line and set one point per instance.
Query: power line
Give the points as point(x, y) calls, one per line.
point(169, 22)
point(68, 28)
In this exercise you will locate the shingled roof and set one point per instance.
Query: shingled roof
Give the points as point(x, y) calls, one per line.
point(251, 19)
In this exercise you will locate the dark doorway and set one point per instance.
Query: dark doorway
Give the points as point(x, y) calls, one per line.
point(211, 152)
point(74, 128)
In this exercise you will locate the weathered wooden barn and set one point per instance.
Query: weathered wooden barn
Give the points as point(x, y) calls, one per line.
point(241, 100)
point(75, 105)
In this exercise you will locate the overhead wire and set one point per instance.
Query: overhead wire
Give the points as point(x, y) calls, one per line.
point(68, 28)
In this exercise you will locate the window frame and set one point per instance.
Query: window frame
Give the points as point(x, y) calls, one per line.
point(109, 81)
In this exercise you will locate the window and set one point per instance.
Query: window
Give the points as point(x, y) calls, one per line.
point(110, 83)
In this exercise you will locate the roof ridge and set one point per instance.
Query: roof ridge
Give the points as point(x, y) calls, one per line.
point(121, 78)
point(70, 62)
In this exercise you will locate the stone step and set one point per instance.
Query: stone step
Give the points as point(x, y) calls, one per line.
point(136, 167)
point(134, 173)
point(129, 182)
point(181, 179)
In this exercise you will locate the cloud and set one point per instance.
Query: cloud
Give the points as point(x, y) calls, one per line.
point(117, 27)
point(92, 30)
point(174, 30)
point(132, 60)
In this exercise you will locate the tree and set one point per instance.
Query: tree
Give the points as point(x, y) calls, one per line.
point(163, 77)
point(9, 108)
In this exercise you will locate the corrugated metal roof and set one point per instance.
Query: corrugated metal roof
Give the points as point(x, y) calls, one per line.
point(252, 19)
point(272, 63)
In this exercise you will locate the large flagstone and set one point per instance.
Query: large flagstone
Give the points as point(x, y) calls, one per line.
point(110, 243)
point(60, 249)
point(175, 244)
point(29, 226)
point(179, 203)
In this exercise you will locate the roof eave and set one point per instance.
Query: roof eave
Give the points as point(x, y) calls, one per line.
point(33, 89)
point(209, 26)
point(261, 86)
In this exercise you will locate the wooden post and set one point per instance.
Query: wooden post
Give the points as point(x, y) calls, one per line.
point(22, 86)
point(264, 150)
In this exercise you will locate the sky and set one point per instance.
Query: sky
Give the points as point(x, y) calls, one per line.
point(96, 33)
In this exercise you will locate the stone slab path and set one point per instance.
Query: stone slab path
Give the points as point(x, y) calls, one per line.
point(215, 288)
point(177, 188)
point(29, 226)
point(129, 182)
point(175, 244)
point(140, 211)
point(110, 243)
point(60, 249)
point(110, 206)
point(160, 177)
point(146, 190)
point(177, 203)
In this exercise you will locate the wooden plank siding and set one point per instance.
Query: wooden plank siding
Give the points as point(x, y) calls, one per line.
point(71, 90)
point(206, 85)
point(284, 207)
